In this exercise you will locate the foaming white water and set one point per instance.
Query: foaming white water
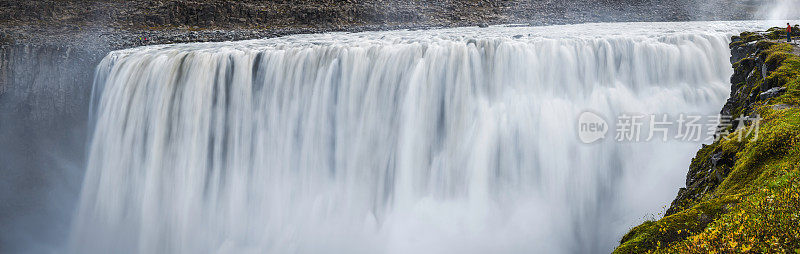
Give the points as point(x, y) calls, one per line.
point(453, 140)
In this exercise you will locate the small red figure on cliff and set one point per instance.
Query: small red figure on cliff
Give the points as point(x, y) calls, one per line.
point(788, 32)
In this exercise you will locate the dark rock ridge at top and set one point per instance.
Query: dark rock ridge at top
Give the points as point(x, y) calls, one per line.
point(121, 24)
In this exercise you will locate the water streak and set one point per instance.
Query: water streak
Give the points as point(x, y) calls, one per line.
point(451, 140)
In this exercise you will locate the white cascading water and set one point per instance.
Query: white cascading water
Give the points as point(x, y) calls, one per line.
point(439, 141)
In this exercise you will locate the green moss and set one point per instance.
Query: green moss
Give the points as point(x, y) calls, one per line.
point(774, 58)
point(786, 76)
point(750, 36)
point(744, 38)
point(658, 234)
point(764, 45)
point(738, 43)
point(740, 63)
point(772, 143)
point(767, 219)
point(776, 33)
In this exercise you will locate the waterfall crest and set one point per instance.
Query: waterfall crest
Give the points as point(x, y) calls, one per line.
point(429, 141)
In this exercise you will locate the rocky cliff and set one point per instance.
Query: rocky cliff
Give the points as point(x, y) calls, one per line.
point(742, 192)
point(44, 100)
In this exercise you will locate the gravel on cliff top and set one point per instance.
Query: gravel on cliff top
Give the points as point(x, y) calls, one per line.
point(120, 24)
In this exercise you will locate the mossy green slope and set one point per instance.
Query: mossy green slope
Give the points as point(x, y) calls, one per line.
point(742, 195)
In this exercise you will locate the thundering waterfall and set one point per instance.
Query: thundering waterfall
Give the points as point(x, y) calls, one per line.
point(431, 141)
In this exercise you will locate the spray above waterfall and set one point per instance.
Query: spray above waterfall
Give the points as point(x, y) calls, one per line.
point(779, 10)
point(451, 140)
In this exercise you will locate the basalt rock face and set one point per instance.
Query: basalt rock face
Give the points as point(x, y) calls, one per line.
point(44, 100)
point(45, 76)
point(4, 69)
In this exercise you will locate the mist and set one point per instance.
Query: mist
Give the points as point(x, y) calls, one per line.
point(780, 10)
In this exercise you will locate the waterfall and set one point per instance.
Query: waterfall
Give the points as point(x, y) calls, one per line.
point(446, 140)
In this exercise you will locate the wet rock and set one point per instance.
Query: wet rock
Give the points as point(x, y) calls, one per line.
point(742, 51)
point(761, 62)
point(772, 93)
point(781, 106)
point(742, 69)
point(753, 77)
point(722, 163)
